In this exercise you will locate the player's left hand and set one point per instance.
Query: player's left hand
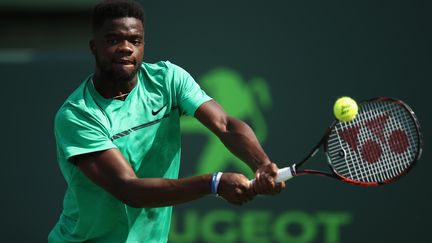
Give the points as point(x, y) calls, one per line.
point(265, 180)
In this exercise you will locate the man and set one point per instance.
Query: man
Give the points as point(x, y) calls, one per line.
point(118, 140)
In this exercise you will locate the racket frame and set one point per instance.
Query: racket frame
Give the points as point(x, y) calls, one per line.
point(324, 142)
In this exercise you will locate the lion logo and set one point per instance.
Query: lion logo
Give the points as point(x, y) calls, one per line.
point(243, 100)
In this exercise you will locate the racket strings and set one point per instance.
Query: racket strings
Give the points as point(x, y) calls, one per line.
point(380, 144)
point(381, 172)
point(403, 160)
point(391, 159)
point(389, 166)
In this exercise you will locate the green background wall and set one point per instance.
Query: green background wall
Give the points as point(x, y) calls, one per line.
point(307, 53)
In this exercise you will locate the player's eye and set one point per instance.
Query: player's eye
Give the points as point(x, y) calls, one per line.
point(112, 41)
point(136, 42)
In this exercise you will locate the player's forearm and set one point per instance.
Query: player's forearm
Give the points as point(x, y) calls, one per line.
point(240, 139)
point(110, 170)
point(158, 192)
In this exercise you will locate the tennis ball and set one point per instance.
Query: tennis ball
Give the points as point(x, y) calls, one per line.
point(345, 109)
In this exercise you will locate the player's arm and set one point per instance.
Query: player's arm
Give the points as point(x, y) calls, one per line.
point(110, 170)
point(240, 139)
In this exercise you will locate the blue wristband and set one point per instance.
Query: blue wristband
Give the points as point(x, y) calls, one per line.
point(215, 182)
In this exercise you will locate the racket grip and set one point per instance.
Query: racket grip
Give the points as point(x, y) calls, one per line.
point(283, 174)
point(286, 173)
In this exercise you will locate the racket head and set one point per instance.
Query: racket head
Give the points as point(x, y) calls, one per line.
point(379, 146)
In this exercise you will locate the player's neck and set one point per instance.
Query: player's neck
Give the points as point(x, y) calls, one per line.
point(111, 89)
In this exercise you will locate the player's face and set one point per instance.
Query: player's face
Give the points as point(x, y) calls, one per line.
point(118, 47)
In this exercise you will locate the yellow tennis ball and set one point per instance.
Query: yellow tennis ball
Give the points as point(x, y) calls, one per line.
point(345, 109)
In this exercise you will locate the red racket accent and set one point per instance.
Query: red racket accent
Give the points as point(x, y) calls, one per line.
point(377, 125)
point(398, 141)
point(371, 151)
point(350, 136)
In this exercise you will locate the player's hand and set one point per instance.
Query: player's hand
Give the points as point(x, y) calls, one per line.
point(265, 180)
point(235, 188)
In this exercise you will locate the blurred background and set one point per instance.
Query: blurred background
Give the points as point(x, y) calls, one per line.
point(278, 65)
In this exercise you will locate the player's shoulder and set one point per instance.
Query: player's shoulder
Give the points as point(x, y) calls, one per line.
point(76, 114)
point(162, 68)
point(158, 66)
point(75, 105)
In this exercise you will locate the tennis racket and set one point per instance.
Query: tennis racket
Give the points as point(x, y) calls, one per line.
point(379, 146)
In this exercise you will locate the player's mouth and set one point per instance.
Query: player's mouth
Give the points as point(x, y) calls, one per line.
point(125, 62)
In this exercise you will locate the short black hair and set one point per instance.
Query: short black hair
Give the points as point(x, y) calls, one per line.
point(112, 9)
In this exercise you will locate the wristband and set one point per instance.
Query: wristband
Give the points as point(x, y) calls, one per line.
point(215, 182)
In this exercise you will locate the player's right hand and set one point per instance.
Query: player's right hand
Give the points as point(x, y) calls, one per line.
point(265, 180)
point(235, 188)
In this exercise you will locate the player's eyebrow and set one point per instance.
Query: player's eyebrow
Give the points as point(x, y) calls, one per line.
point(120, 34)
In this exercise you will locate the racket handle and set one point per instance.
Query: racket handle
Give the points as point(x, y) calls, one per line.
point(283, 174)
point(286, 173)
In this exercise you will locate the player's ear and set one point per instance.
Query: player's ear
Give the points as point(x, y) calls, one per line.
point(92, 46)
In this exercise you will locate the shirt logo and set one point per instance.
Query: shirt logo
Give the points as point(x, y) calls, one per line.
point(155, 112)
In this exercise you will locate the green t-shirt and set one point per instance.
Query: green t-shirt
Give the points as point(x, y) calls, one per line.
point(145, 127)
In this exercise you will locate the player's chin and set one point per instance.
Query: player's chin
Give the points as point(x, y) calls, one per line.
point(124, 73)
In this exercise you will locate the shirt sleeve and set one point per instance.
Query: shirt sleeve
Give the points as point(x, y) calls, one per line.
point(77, 133)
point(190, 96)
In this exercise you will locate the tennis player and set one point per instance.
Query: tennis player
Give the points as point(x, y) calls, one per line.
point(118, 140)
